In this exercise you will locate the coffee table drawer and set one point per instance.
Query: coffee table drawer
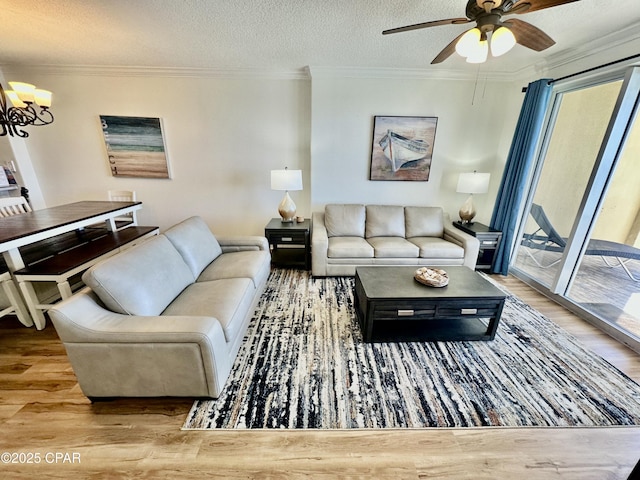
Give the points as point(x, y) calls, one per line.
point(404, 312)
point(472, 309)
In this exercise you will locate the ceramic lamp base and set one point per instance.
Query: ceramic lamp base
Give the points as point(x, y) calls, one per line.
point(467, 210)
point(287, 209)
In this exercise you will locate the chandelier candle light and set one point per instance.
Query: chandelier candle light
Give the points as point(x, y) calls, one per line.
point(287, 180)
point(471, 183)
point(17, 108)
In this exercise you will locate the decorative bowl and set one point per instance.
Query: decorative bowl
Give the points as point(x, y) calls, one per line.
point(432, 277)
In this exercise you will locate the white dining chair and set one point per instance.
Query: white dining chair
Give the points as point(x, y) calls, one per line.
point(128, 219)
point(10, 206)
point(10, 297)
point(10, 300)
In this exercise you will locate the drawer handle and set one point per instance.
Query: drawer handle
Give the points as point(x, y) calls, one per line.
point(405, 313)
point(468, 311)
point(287, 239)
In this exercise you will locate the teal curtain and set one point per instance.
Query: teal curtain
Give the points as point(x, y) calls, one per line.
point(517, 169)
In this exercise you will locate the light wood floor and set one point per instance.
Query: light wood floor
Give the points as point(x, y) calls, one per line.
point(43, 413)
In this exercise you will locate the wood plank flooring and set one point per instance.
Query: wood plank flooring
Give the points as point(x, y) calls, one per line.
point(44, 416)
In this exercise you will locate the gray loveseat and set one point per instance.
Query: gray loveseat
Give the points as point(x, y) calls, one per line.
point(165, 318)
point(347, 235)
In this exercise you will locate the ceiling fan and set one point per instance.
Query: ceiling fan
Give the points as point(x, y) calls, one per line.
point(474, 45)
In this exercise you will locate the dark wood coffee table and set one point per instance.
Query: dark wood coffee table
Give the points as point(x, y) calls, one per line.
point(392, 306)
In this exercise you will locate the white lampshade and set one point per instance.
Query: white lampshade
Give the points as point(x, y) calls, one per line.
point(286, 180)
point(473, 182)
point(480, 52)
point(42, 97)
point(14, 99)
point(25, 91)
point(502, 40)
point(468, 42)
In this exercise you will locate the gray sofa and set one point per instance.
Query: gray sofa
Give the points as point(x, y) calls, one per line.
point(347, 235)
point(165, 318)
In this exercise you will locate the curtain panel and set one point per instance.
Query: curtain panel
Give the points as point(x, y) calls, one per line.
point(517, 169)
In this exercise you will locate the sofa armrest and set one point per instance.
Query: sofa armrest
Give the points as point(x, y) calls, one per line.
point(470, 243)
point(238, 243)
point(319, 245)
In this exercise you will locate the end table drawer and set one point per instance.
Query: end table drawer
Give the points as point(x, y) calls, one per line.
point(284, 238)
point(488, 243)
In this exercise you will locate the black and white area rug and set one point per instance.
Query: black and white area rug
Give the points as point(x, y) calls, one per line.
point(303, 365)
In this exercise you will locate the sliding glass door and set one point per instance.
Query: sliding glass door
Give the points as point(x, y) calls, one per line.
point(607, 281)
point(579, 239)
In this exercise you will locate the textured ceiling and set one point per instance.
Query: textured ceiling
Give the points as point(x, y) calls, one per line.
point(279, 35)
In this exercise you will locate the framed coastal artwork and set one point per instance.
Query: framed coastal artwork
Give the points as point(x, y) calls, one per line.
point(135, 146)
point(402, 148)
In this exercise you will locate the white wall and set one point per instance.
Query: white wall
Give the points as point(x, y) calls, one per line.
point(475, 126)
point(223, 136)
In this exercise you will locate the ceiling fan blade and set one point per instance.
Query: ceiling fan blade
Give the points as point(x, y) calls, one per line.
point(417, 26)
point(533, 5)
point(447, 51)
point(529, 36)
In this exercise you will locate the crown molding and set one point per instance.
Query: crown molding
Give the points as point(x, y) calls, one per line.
point(124, 71)
point(405, 73)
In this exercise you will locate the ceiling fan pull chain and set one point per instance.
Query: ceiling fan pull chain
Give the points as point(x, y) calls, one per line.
point(475, 85)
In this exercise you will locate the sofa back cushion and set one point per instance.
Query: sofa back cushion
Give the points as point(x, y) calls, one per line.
point(385, 221)
point(424, 221)
point(142, 280)
point(344, 220)
point(195, 242)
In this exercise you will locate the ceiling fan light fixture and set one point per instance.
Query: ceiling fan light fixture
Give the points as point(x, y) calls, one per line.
point(480, 53)
point(502, 40)
point(468, 43)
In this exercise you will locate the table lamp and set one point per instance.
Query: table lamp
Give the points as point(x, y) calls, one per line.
point(471, 183)
point(287, 180)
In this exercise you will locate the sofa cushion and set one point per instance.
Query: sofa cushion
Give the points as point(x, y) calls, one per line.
point(195, 242)
point(434, 247)
point(255, 265)
point(424, 222)
point(393, 247)
point(384, 221)
point(349, 247)
point(344, 220)
point(142, 280)
point(228, 300)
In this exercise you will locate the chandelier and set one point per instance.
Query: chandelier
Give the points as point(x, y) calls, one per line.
point(23, 106)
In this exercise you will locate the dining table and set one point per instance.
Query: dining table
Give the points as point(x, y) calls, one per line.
point(27, 228)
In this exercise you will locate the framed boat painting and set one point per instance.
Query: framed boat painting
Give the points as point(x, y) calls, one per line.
point(402, 148)
point(135, 146)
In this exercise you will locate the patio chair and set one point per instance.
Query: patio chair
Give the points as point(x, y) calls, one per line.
point(547, 238)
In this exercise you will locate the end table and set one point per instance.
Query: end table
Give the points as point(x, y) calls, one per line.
point(489, 240)
point(290, 243)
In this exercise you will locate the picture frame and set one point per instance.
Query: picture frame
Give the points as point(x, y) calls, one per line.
point(402, 148)
point(135, 146)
